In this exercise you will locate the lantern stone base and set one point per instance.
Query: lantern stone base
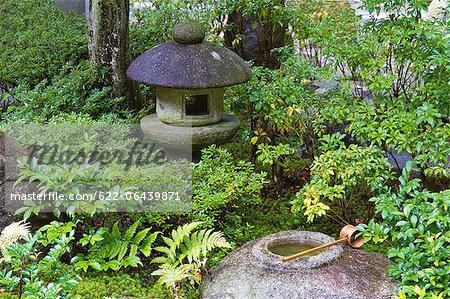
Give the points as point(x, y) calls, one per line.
point(189, 138)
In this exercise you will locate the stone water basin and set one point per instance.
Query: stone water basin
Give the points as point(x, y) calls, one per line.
point(254, 271)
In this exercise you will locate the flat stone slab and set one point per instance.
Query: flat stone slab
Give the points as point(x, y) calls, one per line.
point(356, 274)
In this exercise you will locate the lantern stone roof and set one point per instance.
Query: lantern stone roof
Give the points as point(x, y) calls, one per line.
point(189, 62)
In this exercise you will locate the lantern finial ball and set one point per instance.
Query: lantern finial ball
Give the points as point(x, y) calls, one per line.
point(188, 32)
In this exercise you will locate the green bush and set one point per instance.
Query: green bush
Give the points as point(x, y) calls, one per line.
point(277, 106)
point(343, 177)
point(33, 268)
point(416, 224)
point(76, 88)
point(37, 39)
point(220, 185)
point(153, 24)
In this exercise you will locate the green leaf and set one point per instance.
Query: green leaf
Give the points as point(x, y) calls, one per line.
point(131, 231)
point(123, 251)
point(116, 232)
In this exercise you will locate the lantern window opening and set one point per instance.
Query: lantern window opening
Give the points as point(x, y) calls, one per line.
point(197, 104)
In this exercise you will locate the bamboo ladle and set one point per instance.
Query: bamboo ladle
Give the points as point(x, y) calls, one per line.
point(347, 234)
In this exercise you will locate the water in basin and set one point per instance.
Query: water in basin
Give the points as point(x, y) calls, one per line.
point(288, 249)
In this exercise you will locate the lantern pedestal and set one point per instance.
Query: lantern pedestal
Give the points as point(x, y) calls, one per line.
point(177, 138)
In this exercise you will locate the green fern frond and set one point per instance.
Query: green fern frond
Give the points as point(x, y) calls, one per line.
point(182, 232)
point(171, 275)
point(201, 243)
point(133, 250)
point(214, 240)
point(186, 244)
point(123, 250)
point(131, 231)
point(116, 232)
point(160, 260)
point(140, 236)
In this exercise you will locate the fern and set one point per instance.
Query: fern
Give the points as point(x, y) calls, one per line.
point(114, 249)
point(11, 234)
point(182, 257)
point(200, 243)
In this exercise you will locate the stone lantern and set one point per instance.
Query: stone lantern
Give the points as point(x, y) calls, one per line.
point(190, 76)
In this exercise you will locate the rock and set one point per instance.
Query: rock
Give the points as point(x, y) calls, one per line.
point(323, 86)
point(352, 274)
point(10, 150)
point(77, 6)
point(398, 159)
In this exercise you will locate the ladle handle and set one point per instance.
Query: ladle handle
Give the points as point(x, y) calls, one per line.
point(306, 252)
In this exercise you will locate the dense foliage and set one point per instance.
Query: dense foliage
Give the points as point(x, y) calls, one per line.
point(304, 158)
point(33, 269)
point(416, 224)
point(37, 39)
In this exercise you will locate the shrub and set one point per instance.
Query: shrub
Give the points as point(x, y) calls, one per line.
point(33, 268)
point(277, 106)
point(422, 131)
point(220, 184)
point(272, 156)
point(37, 39)
point(76, 88)
point(153, 24)
point(416, 224)
point(343, 176)
point(403, 57)
point(319, 25)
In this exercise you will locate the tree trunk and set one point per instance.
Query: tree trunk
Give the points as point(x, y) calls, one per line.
point(256, 43)
point(108, 44)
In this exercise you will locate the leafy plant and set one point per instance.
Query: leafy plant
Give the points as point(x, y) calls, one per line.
point(219, 184)
point(185, 255)
point(93, 172)
point(421, 131)
point(416, 224)
point(278, 105)
point(34, 269)
point(111, 249)
point(73, 83)
point(37, 39)
point(154, 23)
point(342, 176)
point(318, 25)
point(11, 234)
point(271, 155)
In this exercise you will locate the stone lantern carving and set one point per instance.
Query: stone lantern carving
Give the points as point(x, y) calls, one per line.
point(190, 76)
